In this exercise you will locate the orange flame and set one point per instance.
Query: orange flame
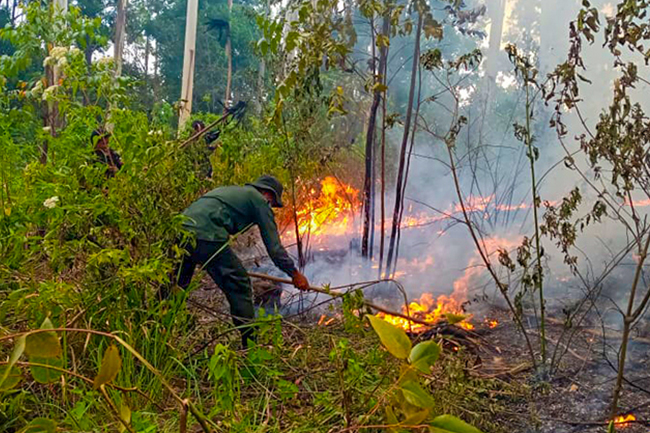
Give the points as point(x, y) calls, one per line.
point(492, 323)
point(328, 210)
point(427, 309)
point(624, 420)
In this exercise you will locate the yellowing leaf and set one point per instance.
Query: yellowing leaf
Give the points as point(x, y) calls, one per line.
point(8, 211)
point(111, 364)
point(416, 418)
point(43, 344)
point(392, 337)
point(451, 424)
point(424, 355)
point(39, 425)
point(12, 377)
point(125, 414)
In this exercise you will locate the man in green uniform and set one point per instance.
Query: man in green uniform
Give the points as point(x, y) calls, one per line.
point(226, 211)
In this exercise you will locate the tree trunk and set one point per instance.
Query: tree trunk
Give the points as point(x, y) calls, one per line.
point(261, 73)
point(496, 11)
point(51, 108)
point(120, 36)
point(368, 197)
point(147, 52)
point(399, 188)
point(407, 170)
point(188, 64)
point(226, 100)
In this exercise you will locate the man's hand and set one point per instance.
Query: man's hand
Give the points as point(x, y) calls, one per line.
point(299, 281)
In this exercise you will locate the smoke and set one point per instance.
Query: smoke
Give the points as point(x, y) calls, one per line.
point(436, 253)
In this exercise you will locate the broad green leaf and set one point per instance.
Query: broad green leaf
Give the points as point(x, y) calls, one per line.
point(43, 344)
point(416, 418)
point(111, 364)
point(12, 377)
point(455, 318)
point(125, 414)
point(416, 395)
point(45, 374)
point(392, 337)
point(424, 355)
point(40, 425)
point(19, 348)
point(451, 424)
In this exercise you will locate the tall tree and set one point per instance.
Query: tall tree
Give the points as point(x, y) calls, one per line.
point(120, 35)
point(400, 187)
point(382, 41)
point(496, 12)
point(189, 58)
point(229, 57)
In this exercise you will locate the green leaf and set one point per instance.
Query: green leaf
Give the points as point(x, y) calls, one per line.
point(40, 425)
point(416, 395)
point(43, 344)
point(12, 377)
point(611, 428)
point(424, 355)
point(125, 414)
point(19, 348)
point(392, 337)
point(451, 424)
point(111, 364)
point(45, 374)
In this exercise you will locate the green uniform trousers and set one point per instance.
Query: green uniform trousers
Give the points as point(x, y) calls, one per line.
point(229, 274)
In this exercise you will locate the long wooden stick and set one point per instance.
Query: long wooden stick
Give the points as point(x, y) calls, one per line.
point(339, 295)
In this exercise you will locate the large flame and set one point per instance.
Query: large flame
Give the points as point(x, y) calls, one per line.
point(328, 210)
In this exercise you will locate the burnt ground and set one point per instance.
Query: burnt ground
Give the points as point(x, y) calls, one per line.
point(576, 397)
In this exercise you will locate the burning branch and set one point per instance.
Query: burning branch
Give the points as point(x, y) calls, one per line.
point(340, 295)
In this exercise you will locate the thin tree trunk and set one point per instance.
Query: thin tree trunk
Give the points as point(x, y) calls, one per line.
point(51, 108)
point(226, 100)
point(120, 35)
point(628, 319)
point(399, 199)
point(378, 72)
point(382, 225)
point(147, 52)
point(370, 135)
point(408, 169)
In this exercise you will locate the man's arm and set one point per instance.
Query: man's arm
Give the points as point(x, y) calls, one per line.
point(210, 137)
point(271, 238)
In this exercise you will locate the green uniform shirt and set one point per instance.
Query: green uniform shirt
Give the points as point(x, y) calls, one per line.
point(228, 210)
